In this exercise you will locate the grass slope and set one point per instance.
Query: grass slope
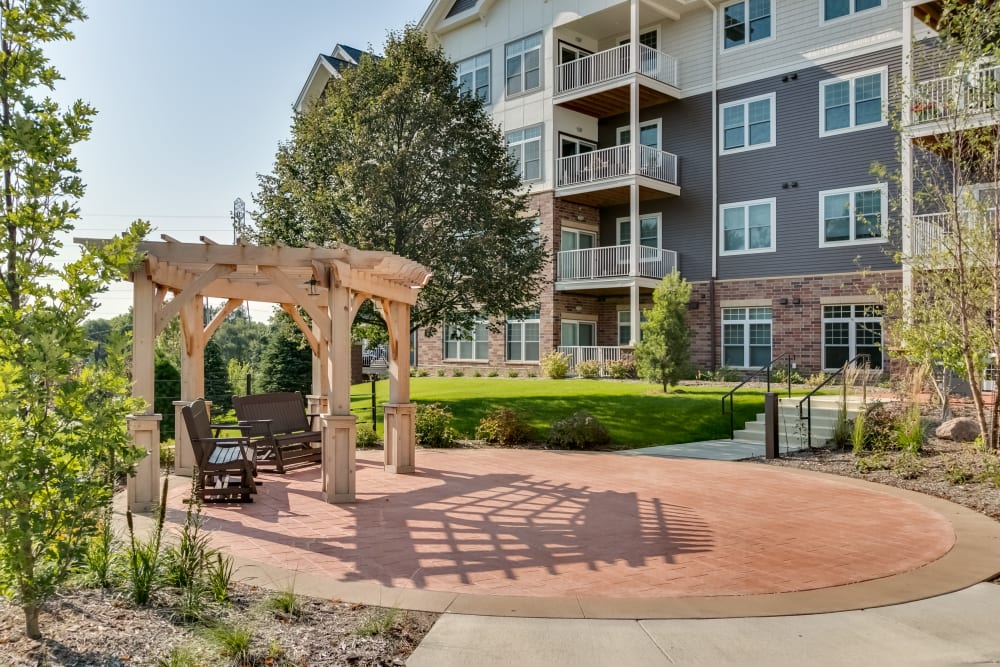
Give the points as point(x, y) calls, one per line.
point(636, 413)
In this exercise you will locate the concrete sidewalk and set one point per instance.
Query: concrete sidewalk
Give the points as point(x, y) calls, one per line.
point(958, 628)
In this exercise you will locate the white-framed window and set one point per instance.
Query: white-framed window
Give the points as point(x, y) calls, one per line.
point(853, 215)
point(577, 333)
point(850, 330)
point(650, 38)
point(649, 134)
point(467, 344)
point(746, 124)
point(853, 102)
point(522, 338)
point(523, 68)
point(650, 230)
point(746, 22)
point(746, 337)
point(473, 76)
point(747, 227)
point(576, 239)
point(625, 326)
point(570, 145)
point(525, 146)
point(835, 9)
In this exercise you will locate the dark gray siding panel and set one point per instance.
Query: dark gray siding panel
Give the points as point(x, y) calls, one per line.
point(815, 163)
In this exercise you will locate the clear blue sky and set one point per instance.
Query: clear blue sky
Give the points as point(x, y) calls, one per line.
point(193, 97)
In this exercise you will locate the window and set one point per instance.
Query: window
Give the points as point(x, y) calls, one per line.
point(747, 227)
point(470, 344)
point(745, 22)
point(746, 337)
point(570, 146)
point(575, 239)
point(625, 326)
point(853, 102)
point(525, 146)
point(522, 339)
point(850, 330)
point(747, 124)
point(474, 76)
point(573, 333)
point(524, 60)
point(649, 134)
point(649, 230)
point(834, 9)
point(853, 215)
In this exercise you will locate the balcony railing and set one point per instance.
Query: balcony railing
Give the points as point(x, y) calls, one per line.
point(930, 230)
point(615, 162)
point(957, 96)
point(603, 355)
point(603, 66)
point(614, 262)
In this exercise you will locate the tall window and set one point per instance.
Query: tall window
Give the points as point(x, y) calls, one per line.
point(852, 102)
point(833, 9)
point(470, 344)
point(853, 215)
point(524, 62)
point(649, 230)
point(746, 337)
point(522, 339)
point(745, 22)
point(747, 124)
point(573, 333)
point(474, 75)
point(850, 330)
point(525, 146)
point(747, 227)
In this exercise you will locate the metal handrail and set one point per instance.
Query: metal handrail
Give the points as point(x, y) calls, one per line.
point(807, 399)
point(788, 374)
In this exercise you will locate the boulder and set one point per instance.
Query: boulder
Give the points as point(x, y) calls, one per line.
point(960, 429)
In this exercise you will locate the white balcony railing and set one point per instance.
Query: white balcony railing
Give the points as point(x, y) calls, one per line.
point(614, 262)
point(603, 66)
point(957, 96)
point(615, 162)
point(601, 354)
point(930, 230)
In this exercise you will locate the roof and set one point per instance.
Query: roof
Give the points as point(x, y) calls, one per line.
point(444, 15)
point(325, 68)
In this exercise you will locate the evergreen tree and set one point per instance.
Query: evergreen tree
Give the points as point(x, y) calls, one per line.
point(663, 353)
point(217, 387)
point(167, 385)
point(287, 361)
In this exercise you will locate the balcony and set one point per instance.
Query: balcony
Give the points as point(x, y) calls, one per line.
point(930, 230)
point(603, 355)
point(958, 101)
point(597, 84)
point(610, 264)
point(602, 177)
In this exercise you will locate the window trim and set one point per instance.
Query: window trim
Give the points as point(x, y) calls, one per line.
point(746, 205)
point(853, 76)
point(884, 212)
point(523, 342)
point(590, 323)
point(574, 139)
point(489, 69)
point(656, 122)
point(849, 15)
point(541, 151)
point(746, 42)
point(852, 345)
point(745, 322)
point(578, 232)
point(541, 66)
point(581, 52)
point(475, 343)
point(745, 102)
point(628, 218)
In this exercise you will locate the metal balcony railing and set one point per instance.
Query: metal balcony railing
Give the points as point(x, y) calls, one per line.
point(614, 262)
point(607, 164)
point(611, 64)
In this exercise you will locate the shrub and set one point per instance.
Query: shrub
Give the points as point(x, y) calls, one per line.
point(422, 373)
point(990, 473)
point(780, 376)
point(589, 369)
point(621, 370)
point(908, 466)
point(723, 374)
point(493, 373)
point(816, 379)
point(532, 374)
point(367, 438)
point(504, 427)
point(458, 373)
point(99, 560)
point(477, 374)
point(513, 374)
point(440, 373)
point(880, 428)
point(167, 454)
point(555, 365)
point(433, 426)
point(876, 461)
point(910, 430)
point(956, 473)
point(579, 431)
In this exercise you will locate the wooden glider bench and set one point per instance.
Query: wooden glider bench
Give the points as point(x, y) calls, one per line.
point(225, 465)
point(280, 429)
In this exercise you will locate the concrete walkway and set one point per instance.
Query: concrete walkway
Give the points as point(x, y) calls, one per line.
point(959, 628)
point(714, 450)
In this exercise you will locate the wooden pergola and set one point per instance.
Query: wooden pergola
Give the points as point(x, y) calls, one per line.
point(329, 284)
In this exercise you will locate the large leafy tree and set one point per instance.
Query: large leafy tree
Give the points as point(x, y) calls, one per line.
point(395, 157)
point(664, 353)
point(63, 435)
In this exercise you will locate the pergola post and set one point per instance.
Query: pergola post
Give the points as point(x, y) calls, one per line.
point(317, 401)
point(192, 380)
point(399, 433)
point(339, 425)
point(144, 428)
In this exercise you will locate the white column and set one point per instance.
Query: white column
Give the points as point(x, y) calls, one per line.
point(143, 487)
point(399, 434)
point(339, 426)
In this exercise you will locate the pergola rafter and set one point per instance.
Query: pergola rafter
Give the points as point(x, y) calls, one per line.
point(328, 284)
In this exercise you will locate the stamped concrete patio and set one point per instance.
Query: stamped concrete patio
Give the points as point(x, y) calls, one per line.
point(543, 533)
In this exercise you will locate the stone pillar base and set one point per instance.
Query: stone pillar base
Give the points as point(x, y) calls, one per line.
point(143, 488)
point(400, 437)
point(339, 449)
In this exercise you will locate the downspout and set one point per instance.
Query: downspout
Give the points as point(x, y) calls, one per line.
point(713, 333)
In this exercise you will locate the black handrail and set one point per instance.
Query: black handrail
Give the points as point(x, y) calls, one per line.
point(808, 397)
point(788, 375)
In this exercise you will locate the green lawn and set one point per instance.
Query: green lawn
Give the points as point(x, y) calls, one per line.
point(636, 413)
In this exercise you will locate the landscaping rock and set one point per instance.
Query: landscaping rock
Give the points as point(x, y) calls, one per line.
point(960, 429)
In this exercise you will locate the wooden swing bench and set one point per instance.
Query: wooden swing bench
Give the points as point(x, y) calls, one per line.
point(280, 430)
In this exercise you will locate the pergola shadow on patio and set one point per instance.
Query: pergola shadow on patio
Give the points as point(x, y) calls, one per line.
point(329, 284)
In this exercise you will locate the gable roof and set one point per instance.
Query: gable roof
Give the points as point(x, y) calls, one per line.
point(444, 15)
point(325, 68)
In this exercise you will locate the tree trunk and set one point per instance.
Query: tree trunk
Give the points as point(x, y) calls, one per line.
point(31, 621)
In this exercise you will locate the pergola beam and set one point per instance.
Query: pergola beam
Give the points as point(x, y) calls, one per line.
point(171, 309)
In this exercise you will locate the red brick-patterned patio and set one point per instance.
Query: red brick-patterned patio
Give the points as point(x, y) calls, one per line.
point(557, 524)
